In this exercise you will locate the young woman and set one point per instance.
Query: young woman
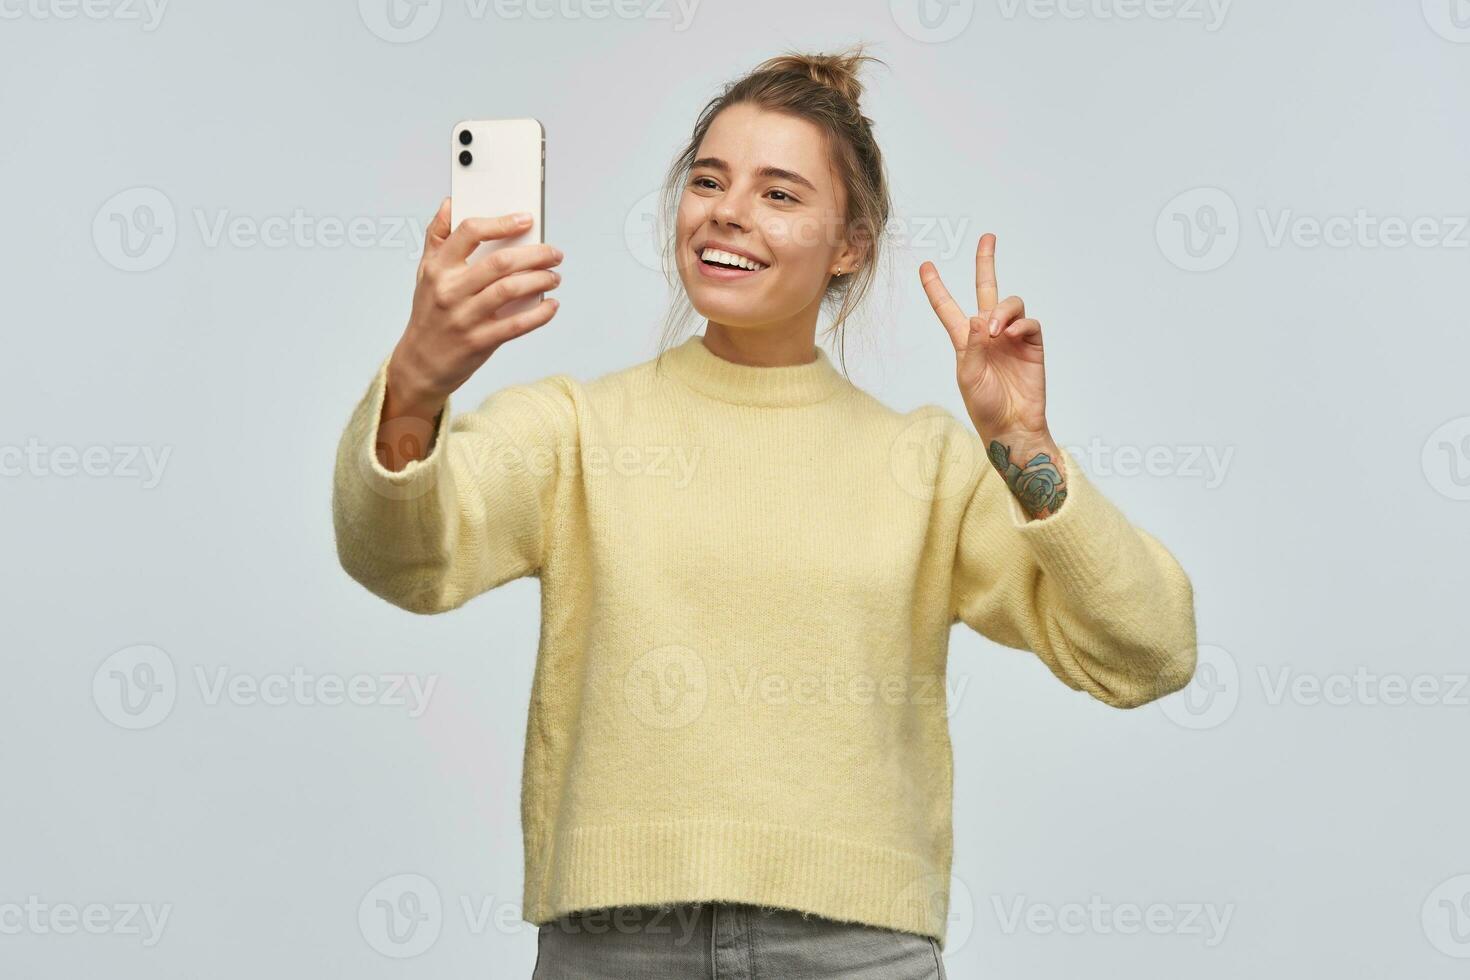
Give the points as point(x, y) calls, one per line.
point(737, 754)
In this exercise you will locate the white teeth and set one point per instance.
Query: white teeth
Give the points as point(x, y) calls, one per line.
point(729, 258)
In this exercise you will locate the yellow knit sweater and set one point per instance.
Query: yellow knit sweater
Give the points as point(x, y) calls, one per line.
point(748, 580)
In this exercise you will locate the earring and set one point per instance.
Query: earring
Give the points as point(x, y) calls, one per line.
point(839, 270)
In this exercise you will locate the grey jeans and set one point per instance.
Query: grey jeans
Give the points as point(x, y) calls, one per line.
point(727, 941)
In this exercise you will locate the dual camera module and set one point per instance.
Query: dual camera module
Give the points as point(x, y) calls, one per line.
point(465, 157)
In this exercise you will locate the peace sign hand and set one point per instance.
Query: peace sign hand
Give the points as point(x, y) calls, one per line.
point(1002, 378)
point(998, 354)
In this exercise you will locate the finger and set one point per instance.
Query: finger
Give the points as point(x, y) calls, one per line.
point(956, 323)
point(974, 353)
point(483, 305)
point(986, 290)
point(501, 263)
point(438, 228)
point(497, 332)
point(1025, 329)
point(473, 231)
point(1006, 311)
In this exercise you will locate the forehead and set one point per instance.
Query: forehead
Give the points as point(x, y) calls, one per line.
point(748, 137)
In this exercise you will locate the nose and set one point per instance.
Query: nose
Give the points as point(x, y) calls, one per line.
point(729, 210)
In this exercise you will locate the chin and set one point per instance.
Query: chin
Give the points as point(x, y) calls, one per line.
point(731, 312)
point(733, 307)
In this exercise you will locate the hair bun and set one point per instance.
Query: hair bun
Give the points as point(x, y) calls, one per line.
point(835, 71)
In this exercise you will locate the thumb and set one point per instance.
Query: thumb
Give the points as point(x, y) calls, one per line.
point(438, 229)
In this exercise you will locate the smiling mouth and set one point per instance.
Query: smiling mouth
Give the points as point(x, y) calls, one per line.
point(716, 259)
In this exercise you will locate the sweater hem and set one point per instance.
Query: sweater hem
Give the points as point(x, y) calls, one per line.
point(699, 860)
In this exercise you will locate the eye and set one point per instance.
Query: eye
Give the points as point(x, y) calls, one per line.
point(711, 185)
point(784, 196)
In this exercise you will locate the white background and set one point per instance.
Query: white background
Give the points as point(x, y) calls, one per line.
point(1325, 375)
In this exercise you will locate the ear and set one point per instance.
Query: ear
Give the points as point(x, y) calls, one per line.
point(855, 250)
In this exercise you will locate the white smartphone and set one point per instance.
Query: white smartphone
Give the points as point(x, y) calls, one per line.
point(499, 167)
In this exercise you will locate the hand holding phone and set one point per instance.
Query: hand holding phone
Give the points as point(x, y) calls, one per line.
point(463, 310)
point(498, 168)
point(458, 317)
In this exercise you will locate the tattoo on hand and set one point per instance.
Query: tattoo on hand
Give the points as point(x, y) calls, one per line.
point(1038, 485)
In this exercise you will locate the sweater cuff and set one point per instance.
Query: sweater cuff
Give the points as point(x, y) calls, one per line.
point(417, 476)
point(1080, 542)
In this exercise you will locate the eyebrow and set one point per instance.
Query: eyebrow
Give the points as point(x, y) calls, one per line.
point(715, 163)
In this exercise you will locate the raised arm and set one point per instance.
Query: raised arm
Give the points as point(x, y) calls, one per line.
point(469, 516)
point(431, 510)
point(1043, 561)
point(1102, 603)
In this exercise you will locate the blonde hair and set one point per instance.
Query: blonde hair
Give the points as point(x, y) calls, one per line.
point(824, 90)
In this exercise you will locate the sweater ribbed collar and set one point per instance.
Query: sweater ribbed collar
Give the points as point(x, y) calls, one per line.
point(746, 384)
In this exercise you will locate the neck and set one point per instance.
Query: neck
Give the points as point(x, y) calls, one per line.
point(790, 380)
point(788, 342)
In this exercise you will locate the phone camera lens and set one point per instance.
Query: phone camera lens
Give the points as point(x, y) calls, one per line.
point(465, 137)
point(465, 157)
